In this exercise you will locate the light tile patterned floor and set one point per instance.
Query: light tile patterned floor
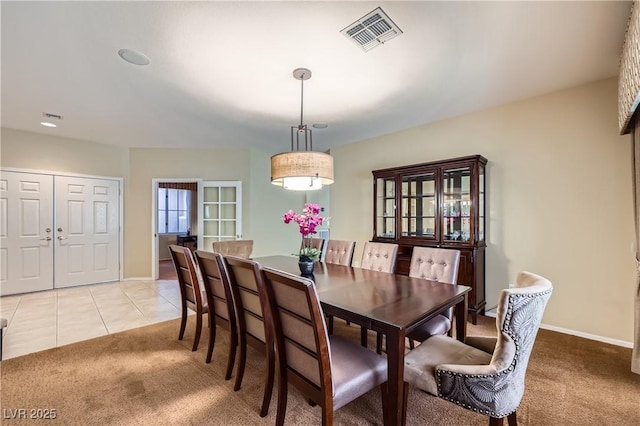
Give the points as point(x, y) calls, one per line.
point(43, 320)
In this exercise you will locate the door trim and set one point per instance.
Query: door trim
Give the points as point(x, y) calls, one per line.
point(155, 264)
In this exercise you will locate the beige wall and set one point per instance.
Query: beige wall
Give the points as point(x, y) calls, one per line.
point(34, 151)
point(266, 206)
point(559, 198)
point(147, 164)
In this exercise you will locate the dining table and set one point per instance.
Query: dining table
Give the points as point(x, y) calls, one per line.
point(391, 304)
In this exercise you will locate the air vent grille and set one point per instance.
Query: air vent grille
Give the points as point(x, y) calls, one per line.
point(373, 29)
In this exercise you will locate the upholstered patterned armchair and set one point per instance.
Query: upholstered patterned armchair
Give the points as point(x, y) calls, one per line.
point(485, 375)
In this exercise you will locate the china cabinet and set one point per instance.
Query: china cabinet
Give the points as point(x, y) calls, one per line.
point(436, 204)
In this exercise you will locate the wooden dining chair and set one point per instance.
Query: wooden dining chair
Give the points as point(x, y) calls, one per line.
point(330, 371)
point(222, 311)
point(435, 264)
point(190, 291)
point(377, 257)
point(238, 248)
point(254, 321)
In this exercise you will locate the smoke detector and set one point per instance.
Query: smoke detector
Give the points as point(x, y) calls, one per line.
point(372, 30)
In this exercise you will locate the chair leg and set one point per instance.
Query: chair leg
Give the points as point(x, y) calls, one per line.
point(241, 362)
point(282, 400)
point(330, 324)
point(183, 322)
point(268, 386)
point(494, 421)
point(196, 339)
point(327, 416)
point(233, 345)
point(411, 343)
point(511, 419)
point(212, 341)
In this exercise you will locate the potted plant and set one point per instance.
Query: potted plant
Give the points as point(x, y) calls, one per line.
point(307, 222)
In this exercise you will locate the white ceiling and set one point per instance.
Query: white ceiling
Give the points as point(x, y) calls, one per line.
point(221, 72)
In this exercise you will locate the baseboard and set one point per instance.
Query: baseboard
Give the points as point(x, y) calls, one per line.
point(595, 337)
point(138, 279)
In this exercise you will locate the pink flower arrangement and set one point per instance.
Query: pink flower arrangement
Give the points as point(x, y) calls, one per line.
point(307, 222)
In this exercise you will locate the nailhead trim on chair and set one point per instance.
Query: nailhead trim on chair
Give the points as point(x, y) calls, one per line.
point(516, 356)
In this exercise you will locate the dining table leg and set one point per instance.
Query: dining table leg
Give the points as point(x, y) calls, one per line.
point(395, 376)
point(461, 318)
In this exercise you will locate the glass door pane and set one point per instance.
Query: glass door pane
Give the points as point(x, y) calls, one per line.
point(385, 207)
point(221, 212)
point(481, 213)
point(456, 204)
point(419, 205)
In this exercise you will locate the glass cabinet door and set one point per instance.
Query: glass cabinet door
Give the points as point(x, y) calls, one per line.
point(419, 205)
point(385, 207)
point(456, 204)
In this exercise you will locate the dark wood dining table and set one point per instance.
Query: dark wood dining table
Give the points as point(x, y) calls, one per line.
point(391, 304)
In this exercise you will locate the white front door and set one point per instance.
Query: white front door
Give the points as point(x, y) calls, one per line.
point(87, 231)
point(26, 232)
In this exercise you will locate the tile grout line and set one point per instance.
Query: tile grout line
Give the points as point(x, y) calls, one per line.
point(98, 309)
point(134, 304)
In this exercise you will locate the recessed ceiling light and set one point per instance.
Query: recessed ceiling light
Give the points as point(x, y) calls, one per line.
point(47, 124)
point(320, 125)
point(134, 57)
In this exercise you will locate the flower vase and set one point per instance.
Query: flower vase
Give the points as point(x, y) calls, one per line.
point(306, 266)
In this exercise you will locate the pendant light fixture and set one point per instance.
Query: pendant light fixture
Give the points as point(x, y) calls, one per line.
point(301, 170)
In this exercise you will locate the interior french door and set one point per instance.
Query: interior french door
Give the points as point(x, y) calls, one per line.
point(57, 231)
point(26, 232)
point(220, 213)
point(87, 231)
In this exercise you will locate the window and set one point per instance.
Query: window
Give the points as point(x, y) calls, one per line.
point(173, 210)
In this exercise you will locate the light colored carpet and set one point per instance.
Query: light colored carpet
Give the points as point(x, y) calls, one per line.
point(147, 377)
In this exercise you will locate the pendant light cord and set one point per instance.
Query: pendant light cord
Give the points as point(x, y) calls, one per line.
point(301, 98)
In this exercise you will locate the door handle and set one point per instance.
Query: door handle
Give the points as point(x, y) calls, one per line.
point(45, 239)
point(61, 238)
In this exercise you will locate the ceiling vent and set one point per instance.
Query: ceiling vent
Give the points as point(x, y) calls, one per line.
point(52, 116)
point(373, 29)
